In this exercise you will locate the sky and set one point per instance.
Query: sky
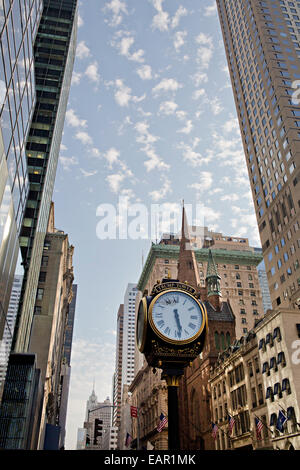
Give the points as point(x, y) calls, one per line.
point(150, 122)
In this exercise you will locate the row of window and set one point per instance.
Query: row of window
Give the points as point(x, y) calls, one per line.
point(270, 339)
point(278, 389)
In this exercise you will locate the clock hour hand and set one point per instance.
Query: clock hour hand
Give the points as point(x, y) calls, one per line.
point(177, 321)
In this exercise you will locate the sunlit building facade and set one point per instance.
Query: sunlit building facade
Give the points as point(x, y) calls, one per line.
point(262, 43)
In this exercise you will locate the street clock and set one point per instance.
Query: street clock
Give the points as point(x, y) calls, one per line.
point(171, 325)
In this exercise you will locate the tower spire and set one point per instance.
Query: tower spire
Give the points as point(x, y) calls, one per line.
point(213, 282)
point(187, 265)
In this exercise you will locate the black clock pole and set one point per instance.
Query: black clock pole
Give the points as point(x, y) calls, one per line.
point(172, 379)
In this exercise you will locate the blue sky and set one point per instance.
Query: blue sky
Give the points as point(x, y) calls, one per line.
point(151, 118)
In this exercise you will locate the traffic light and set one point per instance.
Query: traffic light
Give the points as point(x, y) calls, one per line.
point(97, 429)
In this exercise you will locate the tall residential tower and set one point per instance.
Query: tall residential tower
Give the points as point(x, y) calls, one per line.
point(262, 42)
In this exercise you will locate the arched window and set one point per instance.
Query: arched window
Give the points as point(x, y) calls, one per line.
point(228, 339)
point(223, 341)
point(217, 341)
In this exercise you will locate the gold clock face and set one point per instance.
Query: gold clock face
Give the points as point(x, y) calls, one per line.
point(141, 325)
point(177, 317)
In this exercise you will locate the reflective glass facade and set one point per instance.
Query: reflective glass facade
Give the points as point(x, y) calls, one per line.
point(54, 52)
point(19, 20)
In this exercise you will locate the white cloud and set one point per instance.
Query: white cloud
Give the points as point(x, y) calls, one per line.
point(147, 140)
point(211, 10)
point(187, 129)
point(157, 195)
point(92, 72)
point(161, 20)
point(84, 138)
point(80, 21)
point(199, 77)
point(118, 8)
point(205, 181)
point(68, 162)
point(86, 174)
point(73, 120)
point(168, 107)
point(115, 181)
point(123, 94)
point(124, 47)
point(198, 93)
point(179, 14)
point(191, 156)
point(76, 77)
point(166, 85)
point(145, 72)
point(82, 50)
point(205, 50)
point(112, 156)
point(179, 39)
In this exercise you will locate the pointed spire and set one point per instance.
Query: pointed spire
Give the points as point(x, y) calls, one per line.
point(213, 282)
point(187, 265)
point(211, 266)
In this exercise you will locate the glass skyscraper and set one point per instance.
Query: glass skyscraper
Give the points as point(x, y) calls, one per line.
point(262, 43)
point(54, 55)
point(18, 26)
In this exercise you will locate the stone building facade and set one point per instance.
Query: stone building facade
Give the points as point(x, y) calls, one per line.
point(149, 394)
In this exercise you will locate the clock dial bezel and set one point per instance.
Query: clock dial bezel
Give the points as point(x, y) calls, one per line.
point(165, 338)
point(141, 343)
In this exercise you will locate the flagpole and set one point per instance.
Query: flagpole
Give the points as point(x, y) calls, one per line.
point(138, 431)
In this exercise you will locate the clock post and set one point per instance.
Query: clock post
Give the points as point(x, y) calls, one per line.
point(172, 379)
point(171, 326)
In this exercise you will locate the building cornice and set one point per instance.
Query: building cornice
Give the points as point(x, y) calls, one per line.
point(251, 258)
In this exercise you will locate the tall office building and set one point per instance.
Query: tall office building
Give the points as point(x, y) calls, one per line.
point(18, 25)
point(262, 42)
point(125, 350)
point(117, 378)
point(5, 342)
point(128, 335)
point(54, 54)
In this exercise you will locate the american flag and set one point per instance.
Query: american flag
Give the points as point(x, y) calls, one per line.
point(162, 422)
point(231, 422)
point(259, 426)
point(214, 430)
point(133, 411)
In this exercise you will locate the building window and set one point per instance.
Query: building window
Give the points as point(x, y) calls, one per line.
point(40, 294)
point(45, 260)
point(42, 277)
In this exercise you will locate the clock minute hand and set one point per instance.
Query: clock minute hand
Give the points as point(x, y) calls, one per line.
point(177, 320)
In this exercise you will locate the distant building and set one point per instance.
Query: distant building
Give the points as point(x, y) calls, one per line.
point(117, 378)
point(264, 286)
point(125, 349)
point(5, 343)
point(81, 439)
point(103, 412)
